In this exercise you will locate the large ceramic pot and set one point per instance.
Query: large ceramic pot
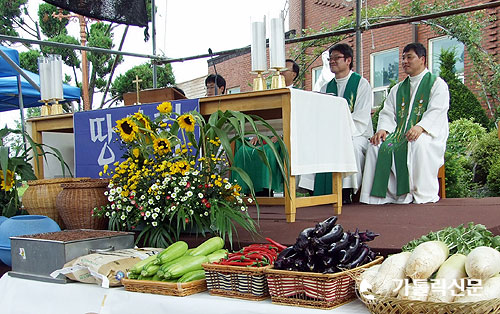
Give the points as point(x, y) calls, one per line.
point(22, 225)
point(77, 200)
point(40, 197)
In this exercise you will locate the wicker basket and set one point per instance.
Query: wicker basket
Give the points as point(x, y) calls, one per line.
point(381, 305)
point(165, 288)
point(40, 197)
point(77, 200)
point(247, 283)
point(314, 290)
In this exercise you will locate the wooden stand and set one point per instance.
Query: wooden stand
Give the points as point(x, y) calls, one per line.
point(153, 95)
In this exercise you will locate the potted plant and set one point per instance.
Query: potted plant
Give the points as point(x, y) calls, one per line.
point(15, 168)
point(175, 175)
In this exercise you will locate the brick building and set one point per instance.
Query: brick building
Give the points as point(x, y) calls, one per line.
point(380, 53)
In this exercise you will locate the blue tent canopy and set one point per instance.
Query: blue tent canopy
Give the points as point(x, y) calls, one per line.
point(9, 91)
point(9, 98)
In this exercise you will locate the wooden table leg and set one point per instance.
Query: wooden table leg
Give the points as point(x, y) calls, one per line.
point(337, 189)
point(36, 135)
point(290, 205)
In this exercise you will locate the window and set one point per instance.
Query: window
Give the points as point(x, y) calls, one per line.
point(436, 45)
point(384, 67)
point(233, 90)
point(316, 72)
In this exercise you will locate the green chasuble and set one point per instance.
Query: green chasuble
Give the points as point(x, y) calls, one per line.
point(248, 159)
point(323, 181)
point(396, 143)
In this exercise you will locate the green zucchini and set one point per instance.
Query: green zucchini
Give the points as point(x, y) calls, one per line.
point(139, 266)
point(209, 246)
point(165, 266)
point(156, 277)
point(192, 276)
point(185, 266)
point(174, 251)
point(217, 256)
point(150, 270)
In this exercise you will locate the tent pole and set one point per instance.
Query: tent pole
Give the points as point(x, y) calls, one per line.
point(21, 108)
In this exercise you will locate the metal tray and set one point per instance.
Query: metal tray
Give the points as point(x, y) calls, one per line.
point(35, 258)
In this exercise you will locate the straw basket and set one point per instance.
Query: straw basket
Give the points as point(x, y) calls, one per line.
point(40, 197)
point(77, 200)
point(247, 283)
point(314, 290)
point(165, 288)
point(381, 305)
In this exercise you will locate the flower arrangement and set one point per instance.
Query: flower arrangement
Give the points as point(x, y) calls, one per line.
point(174, 176)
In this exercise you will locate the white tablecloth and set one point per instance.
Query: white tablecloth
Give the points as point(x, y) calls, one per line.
point(23, 296)
point(320, 134)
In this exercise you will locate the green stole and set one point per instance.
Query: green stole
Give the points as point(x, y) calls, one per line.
point(323, 181)
point(396, 143)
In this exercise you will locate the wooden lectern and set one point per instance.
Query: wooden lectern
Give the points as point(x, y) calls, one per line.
point(148, 96)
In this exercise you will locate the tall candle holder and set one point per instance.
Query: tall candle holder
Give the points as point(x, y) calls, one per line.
point(278, 80)
point(259, 83)
point(45, 109)
point(56, 107)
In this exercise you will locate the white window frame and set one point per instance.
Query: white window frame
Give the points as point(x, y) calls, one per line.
point(313, 74)
point(385, 89)
point(460, 75)
point(234, 90)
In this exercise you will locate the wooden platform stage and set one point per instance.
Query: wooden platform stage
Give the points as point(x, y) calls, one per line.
point(396, 224)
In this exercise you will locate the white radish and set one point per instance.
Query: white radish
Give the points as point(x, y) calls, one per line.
point(426, 259)
point(482, 263)
point(391, 274)
point(418, 291)
point(490, 289)
point(369, 274)
point(447, 282)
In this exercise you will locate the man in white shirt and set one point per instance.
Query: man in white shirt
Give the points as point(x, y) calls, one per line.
point(408, 148)
point(358, 93)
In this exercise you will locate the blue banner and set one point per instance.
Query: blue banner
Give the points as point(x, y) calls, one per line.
point(97, 144)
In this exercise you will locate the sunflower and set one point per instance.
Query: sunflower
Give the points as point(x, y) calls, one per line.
point(10, 180)
point(127, 129)
point(161, 146)
point(165, 107)
point(142, 119)
point(186, 121)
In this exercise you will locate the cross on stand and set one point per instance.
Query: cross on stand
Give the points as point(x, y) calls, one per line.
point(137, 81)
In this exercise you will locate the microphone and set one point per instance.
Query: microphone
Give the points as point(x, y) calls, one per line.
point(215, 70)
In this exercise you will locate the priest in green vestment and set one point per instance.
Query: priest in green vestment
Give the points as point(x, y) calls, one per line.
point(265, 182)
point(358, 93)
point(408, 148)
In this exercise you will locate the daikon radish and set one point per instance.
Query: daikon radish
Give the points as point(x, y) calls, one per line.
point(490, 289)
point(369, 274)
point(391, 274)
point(426, 259)
point(418, 291)
point(482, 263)
point(446, 285)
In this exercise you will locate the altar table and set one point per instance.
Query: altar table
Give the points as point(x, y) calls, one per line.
point(310, 122)
point(23, 296)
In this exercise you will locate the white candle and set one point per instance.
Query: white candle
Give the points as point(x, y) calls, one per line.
point(258, 48)
point(277, 43)
point(44, 72)
point(56, 86)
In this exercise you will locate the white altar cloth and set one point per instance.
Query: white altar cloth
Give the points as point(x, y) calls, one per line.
point(23, 296)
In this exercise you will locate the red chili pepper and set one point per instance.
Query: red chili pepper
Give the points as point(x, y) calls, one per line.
point(248, 263)
point(280, 246)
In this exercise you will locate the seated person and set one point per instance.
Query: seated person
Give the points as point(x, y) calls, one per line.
point(210, 83)
point(406, 152)
point(247, 158)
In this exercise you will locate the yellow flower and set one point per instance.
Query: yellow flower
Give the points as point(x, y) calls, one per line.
point(186, 121)
point(183, 166)
point(127, 129)
point(9, 182)
point(165, 107)
point(143, 120)
point(136, 152)
point(161, 146)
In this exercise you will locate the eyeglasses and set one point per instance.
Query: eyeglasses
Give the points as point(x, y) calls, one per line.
point(336, 58)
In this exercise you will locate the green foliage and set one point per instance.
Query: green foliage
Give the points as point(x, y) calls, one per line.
point(10, 11)
point(493, 178)
point(463, 103)
point(458, 176)
point(485, 154)
point(68, 55)
point(464, 134)
point(50, 26)
point(100, 36)
point(29, 60)
point(123, 83)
